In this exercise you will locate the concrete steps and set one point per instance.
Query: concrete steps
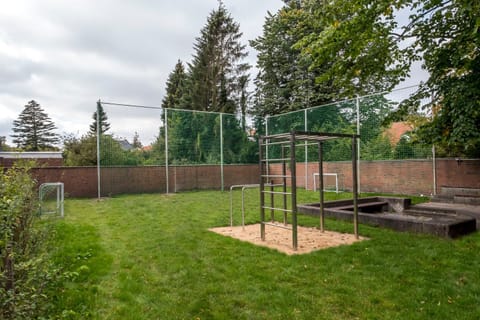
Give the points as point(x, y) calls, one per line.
point(470, 196)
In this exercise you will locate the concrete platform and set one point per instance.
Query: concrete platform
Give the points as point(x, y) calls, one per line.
point(472, 211)
point(444, 220)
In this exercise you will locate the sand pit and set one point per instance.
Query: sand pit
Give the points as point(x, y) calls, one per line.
point(309, 239)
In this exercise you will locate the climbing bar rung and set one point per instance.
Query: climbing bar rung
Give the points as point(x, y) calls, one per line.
point(276, 192)
point(272, 185)
point(286, 143)
point(275, 159)
point(275, 143)
point(276, 225)
point(277, 209)
point(275, 176)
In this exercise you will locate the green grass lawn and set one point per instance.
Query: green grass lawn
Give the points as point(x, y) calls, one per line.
point(152, 257)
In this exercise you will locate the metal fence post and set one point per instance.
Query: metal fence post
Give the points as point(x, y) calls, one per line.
point(434, 165)
point(267, 165)
point(166, 148)
point(358, 144)
point(306, 150)
point(99, 194)
point(221, 151)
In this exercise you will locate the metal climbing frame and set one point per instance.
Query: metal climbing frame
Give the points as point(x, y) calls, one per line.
point(288, 142)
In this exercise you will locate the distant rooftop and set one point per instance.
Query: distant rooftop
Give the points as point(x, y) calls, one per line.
point(31, 155)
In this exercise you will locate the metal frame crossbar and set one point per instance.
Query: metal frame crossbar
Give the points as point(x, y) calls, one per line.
point(289, 141)
point(243, 186)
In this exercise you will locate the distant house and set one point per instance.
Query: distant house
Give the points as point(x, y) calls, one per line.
point(396, 130)
point(43, 158)
point(125, 145)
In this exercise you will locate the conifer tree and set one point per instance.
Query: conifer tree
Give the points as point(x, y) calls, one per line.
point(175, 89)
point(217, 67)
point(104, 125)
point(34, 130)
point(137, 144)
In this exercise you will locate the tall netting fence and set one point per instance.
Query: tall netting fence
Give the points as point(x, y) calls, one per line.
point(382, 139)
point(196, 137)
point(130, 151)
point(368, 116)
point(150, 149)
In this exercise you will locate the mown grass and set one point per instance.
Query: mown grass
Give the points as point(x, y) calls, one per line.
point(152, 257)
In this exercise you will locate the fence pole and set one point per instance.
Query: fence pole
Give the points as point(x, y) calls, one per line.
point(306, 150)
point(267, 165)
point(166, 148)
point(98, 149)
point(355, 186)
point(358, 144)
point(434, 164)
point(221, 150)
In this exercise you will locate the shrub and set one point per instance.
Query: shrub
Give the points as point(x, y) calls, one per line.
point(25, 273)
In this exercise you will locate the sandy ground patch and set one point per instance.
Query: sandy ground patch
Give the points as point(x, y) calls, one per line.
point(309, 239)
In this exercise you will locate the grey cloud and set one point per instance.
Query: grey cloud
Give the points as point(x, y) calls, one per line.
point(120, 51)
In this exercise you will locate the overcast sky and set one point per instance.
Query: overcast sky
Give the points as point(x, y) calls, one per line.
point(68, 54)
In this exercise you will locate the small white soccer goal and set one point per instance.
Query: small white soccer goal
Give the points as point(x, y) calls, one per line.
point(51, 198)
point(330, 181)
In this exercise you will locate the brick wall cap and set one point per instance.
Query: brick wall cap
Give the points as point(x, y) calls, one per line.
point(31, 155)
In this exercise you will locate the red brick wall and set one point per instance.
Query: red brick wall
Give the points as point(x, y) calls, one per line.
point(209, 176)
point(399, 176)
point(462, 173)
point(396, 176)
point(117, 180)
point(82, 181)
point(78, 181)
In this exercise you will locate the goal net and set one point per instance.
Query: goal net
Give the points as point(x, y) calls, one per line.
point(51, 197)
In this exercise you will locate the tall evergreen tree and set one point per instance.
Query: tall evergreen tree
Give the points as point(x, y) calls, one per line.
point(34, 130)
point(244, 99)
point(104, 125)
point(217, 67)
point(137, 144)
point(175, 89)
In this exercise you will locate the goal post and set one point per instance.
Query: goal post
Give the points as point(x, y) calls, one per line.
point(51, 198)
point(328, 186)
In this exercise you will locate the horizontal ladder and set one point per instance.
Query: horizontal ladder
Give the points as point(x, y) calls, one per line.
point(276, 159)
point(276, 192)
point(277, 209)
point(275, 176)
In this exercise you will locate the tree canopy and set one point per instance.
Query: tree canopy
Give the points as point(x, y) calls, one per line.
point(321, 51)
point(34, 130)
point(315, 52)
point(447, 38)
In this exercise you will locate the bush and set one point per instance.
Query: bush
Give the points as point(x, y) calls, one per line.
point(25, 273)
